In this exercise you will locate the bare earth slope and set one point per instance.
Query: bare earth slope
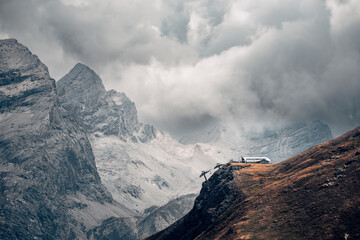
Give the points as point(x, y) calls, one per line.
point(313, 195)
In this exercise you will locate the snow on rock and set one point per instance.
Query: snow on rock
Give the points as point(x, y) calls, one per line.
point(140, 175)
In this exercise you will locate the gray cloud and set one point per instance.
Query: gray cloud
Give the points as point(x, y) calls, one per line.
point(189, 63)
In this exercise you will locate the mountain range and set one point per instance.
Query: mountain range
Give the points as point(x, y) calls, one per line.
point(76, 163)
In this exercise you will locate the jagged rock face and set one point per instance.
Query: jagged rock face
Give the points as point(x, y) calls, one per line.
point(82, 93)
point(313, 195)
point(44, 156)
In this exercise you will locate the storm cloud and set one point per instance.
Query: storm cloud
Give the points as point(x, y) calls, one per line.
point(188, 63)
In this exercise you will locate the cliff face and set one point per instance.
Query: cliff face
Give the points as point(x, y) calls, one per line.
point(313, 195)
point(47, 168)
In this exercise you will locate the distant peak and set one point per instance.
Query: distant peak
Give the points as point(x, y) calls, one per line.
point(79, 78)
point(81, 66)
point(84, 73)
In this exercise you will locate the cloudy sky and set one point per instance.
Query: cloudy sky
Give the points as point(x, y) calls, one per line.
point(188, 63)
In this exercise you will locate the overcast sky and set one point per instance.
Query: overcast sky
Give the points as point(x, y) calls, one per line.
point(188, 63)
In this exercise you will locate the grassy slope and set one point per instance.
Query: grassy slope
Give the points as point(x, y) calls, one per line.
point(313, 195)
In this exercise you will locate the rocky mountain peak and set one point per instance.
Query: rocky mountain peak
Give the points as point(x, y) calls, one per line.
point(84, 74)
point(83, 94)
point(81, 84)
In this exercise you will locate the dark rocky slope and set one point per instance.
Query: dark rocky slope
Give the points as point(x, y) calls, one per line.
point(313, 195)
point(48, 178)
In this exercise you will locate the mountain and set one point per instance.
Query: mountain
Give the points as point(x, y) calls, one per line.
point(49, 184)
point(142, 167)
point(75, 162)
point(313, 195)
point(277, 143)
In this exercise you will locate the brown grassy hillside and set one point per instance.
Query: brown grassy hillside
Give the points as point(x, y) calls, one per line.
point(313, 195)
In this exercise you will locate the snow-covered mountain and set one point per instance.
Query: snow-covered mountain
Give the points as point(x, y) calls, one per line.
point(138, 164)
point(277, 143)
